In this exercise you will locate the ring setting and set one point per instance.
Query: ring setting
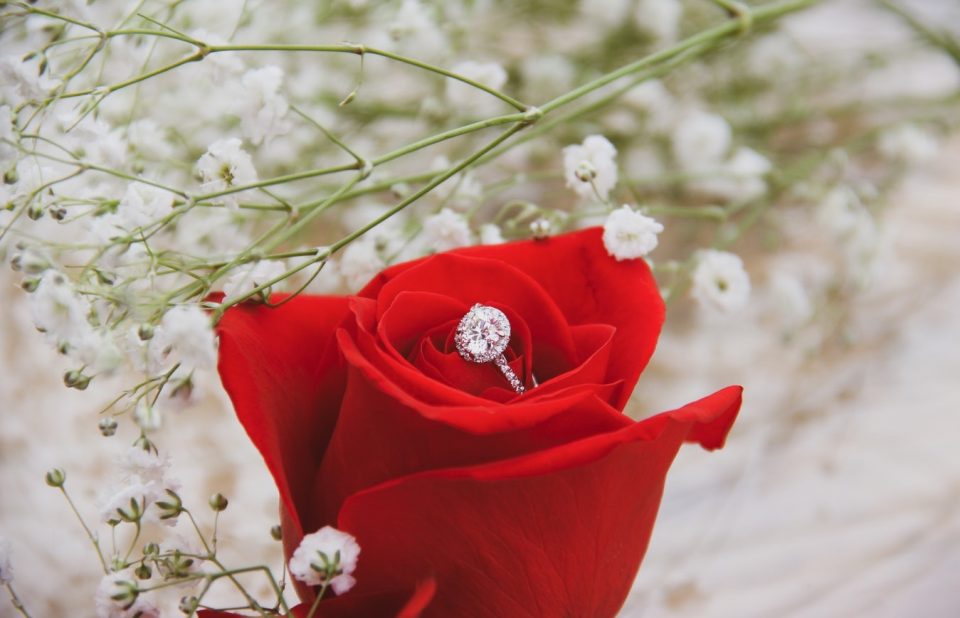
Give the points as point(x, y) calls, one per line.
point(483, 336)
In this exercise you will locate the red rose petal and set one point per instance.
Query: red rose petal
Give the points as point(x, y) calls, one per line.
point(587, 285)
point(557, 533)
point(381, 439)
point(285, 379)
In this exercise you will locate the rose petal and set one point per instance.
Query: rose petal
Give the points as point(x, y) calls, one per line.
point(406, 441)
point(282, 372)
point(587, 285)
point(557, 533)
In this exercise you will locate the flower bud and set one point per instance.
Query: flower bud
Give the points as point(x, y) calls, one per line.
point(276, 532)
point(35, 211)
point(126, 593)
point(59, 213)
point(108, 426)
point(189, 605)
point(585, 172)
point(170, 508)
point(133, 513)
point(151, 549)
point(143, 571)
point(76, 379)
point(541, 228)
point(56, 477)
point(218, 503)
point(30, 285)
point(145, 332)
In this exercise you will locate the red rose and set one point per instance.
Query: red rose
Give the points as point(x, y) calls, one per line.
point(467, 499)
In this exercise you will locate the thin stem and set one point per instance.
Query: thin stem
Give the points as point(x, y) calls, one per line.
point(90, 535)
point(363, 49)
point(15, 600)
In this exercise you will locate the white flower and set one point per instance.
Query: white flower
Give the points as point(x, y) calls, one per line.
point(20, 81)
point(226, 165)
point(700, 141)
point(720, 282)
point(185, 331)
point(791, 300)
point(262, 108)
point(591, 167)
point(741, 177)
point(469, 99)
point(6, 566)
point(360, 262)
point(774, 55)
point(909, 144)
point(58, 310)
point(628, 235)
point(660, 18)
point(225, 66)
point(547, 75)
point(490, 234)
point(244, 279)
point(841, 212)
point(318, 550)
point(414, 28)
point(145, 464)
point(143, 204)
point(655, 100)
point(118, 596)
point(460, 191)
point(131, 499)
point(445, 230)
point(146, 138)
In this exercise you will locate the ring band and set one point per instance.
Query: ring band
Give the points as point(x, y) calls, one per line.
point(483, 336)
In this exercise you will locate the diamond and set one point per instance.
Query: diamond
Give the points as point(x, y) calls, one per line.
point(483, 334)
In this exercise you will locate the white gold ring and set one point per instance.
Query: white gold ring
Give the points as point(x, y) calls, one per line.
point(482, 337)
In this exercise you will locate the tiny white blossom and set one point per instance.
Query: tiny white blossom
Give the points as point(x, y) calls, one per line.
point(773, 55)
point(6, 562)
point(146, 138)
point(909, 144)
point(58, 310)
point(360, 262)
point(741, 177)
point(327, 546)
point(841, 212)
point(133, 497)
point(700, 141)
point(660, 18)
point(445, 230)
point(720, 282)
point(244, 279)
point(415, 29)
point(143, 204)
point(263, 109)
point(655, 100)
point(147, 464)
point(490, 234)
point(591, 168)
point(118, 596)
point(225, 165)
point(628, 234)
point(469, 99)
point(224, 66)
point(185, 331)
point(20, 81)
point(460, 191)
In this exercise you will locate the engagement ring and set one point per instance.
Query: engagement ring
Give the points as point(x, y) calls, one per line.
point(482, 337)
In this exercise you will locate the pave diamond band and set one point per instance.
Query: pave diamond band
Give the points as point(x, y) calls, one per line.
point(483, 336)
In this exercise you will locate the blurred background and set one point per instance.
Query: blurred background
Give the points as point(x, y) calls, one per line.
point(838, 493)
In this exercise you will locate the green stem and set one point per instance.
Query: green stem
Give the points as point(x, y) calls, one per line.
point(90, 535)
